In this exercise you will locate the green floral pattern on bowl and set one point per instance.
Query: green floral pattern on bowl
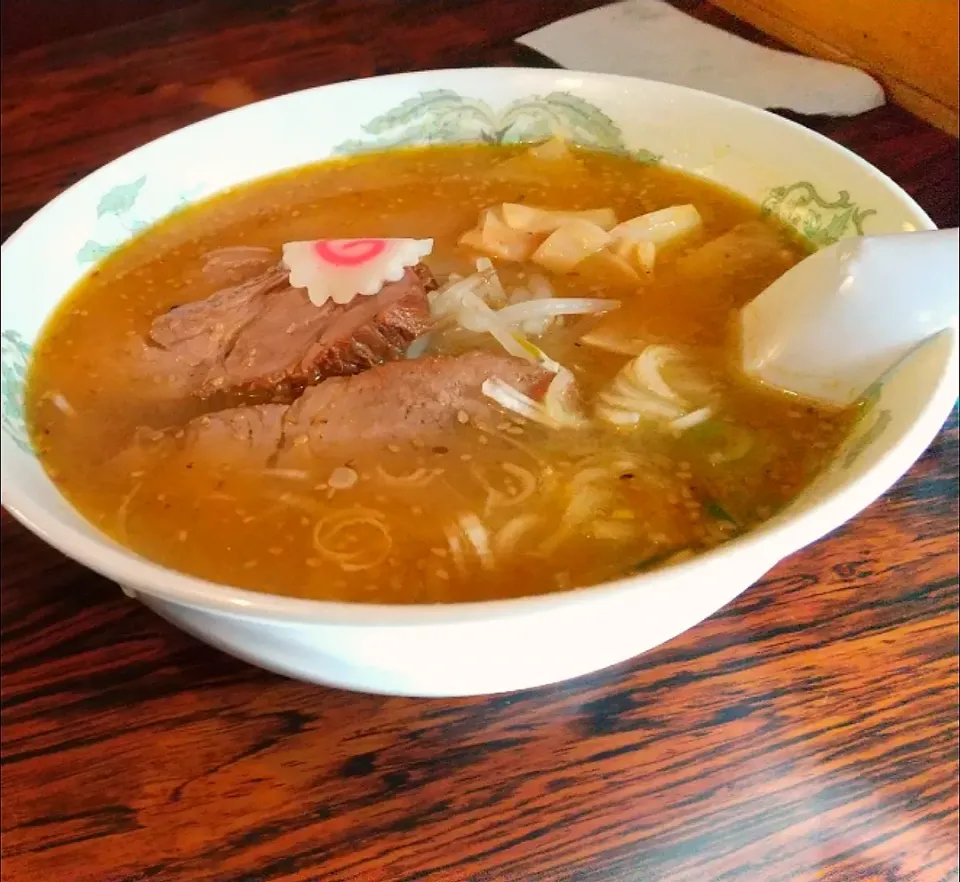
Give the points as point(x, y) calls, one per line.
point(819, 220)
point(446, 117)
point(120, 216)
point(15, 355)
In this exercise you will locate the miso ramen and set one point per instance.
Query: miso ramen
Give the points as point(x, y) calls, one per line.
point(428, 375)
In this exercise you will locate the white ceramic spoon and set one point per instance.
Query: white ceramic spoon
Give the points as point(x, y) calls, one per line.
point(841, 318)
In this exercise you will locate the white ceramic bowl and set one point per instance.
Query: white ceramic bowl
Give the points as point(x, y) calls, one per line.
point(462, 649)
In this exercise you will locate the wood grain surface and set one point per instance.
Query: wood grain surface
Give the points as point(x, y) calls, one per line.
point(807, 731)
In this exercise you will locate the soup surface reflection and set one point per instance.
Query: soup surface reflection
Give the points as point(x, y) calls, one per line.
point(418, 481)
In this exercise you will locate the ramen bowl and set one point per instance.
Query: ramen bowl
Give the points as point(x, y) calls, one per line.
point(808, 182)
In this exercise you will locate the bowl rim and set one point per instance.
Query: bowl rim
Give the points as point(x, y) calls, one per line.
point(759, 549)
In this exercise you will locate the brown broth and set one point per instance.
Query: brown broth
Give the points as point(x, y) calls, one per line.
point(652, 495)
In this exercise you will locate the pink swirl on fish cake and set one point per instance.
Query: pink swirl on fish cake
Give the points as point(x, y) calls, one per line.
point(349, 252)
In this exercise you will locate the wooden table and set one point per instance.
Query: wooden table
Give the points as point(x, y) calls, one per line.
point(807, 731)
